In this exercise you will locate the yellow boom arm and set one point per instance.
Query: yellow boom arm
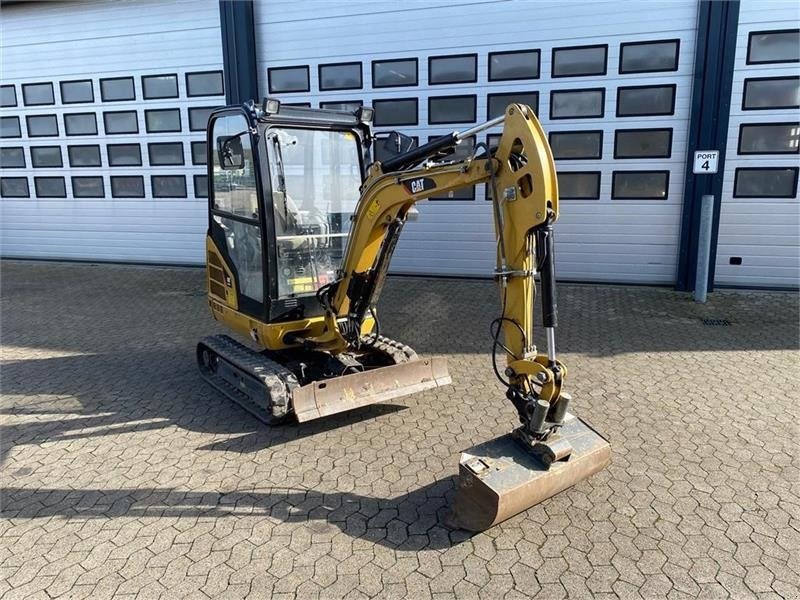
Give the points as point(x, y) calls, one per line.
point(522, 177)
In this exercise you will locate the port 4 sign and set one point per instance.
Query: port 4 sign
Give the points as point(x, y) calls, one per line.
point(705, 161)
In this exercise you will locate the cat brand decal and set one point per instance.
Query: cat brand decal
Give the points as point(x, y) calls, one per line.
point(419, 185)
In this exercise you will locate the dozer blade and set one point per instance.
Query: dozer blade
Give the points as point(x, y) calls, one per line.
point(500, 478)
point(331, 396)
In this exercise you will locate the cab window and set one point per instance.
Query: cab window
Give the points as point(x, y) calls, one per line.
point(235, 205)
point(234, 172)
point(316, 175)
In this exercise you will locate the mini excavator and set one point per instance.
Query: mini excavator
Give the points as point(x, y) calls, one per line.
point(302, 226)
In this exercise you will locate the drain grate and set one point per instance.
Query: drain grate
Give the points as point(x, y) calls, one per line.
point(716, 322)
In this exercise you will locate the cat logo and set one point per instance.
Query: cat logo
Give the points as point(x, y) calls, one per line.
point(417, 186)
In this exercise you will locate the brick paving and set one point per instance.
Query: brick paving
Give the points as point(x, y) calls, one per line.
point(123, 474)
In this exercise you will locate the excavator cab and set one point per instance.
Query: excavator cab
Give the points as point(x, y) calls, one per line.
point(284, 184)
point(282, 193)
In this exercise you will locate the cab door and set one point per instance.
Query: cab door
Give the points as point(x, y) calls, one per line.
point(235, 210)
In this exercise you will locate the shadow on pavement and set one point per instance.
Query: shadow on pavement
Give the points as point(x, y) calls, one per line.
point(136, 391)
point(412, 521)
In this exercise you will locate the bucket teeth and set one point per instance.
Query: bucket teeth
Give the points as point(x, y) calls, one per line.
point(501, 478)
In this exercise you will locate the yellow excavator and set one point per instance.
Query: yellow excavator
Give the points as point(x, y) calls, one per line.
point(303, 221)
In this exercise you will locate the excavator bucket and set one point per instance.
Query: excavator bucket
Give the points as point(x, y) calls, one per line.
point(501, 478)
point(331, 396)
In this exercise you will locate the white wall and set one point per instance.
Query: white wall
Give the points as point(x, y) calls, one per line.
point(92, 40)
point(763, 232)
point(605, 240)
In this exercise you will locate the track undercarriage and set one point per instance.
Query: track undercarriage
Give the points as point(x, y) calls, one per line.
point(274, 386)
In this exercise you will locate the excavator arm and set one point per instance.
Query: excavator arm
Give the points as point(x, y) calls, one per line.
point(521, 176)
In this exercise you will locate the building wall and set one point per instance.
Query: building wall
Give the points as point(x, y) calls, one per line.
point(604, 238)
point(59, 42)
point(759, 236)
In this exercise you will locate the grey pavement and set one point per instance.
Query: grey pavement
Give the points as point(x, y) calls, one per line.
point(123, 474)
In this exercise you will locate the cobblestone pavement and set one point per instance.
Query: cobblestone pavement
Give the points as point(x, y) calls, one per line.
point(124, 474)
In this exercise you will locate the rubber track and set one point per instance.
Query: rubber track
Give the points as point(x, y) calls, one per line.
point(277, 380)
point(397, 351)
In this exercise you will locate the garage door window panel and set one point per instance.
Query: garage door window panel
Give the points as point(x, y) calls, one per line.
point(457, 68)
point(577, 104)
point(42, 125)
point(50, 187)
point(156, 87)
point(168, 186)
point(80, 124)
point(9, 127)
point(514, 65)
point(167, 120)
point(12, 157)
point(777, 46)
point(398, 72)
point(580, 61)
point(8, 96)
point(200, 186)
point(451, 109)
point(14, 187)
point(579, 185)
point(199, 153)
point(649, 57)
point(577, 145)
point(198, 118)
point(400, 111)
point(496, 103)
point(766, 182)
point(37, 94)
point(205, 83)
point(640, 185)
point(765, 93)
point(340, 76)
point(344, 105)
point(88, 187)
point(463, 194)
point(120, 122)
point(643, 143)
point(382, 152)
point(84, 156)
point(76, 92)
point(288, 79)
point(644, 101)
point(117, 89)
point(769, 138)
point(124, 155)
point(165, 153)
point(46, 157)
point(127, 186)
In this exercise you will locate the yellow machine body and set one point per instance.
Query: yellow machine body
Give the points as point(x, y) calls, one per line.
point(550, 451)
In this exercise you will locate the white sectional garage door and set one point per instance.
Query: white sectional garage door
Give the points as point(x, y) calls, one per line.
point(612, 81)
point(103, 116)
point(759, 229)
